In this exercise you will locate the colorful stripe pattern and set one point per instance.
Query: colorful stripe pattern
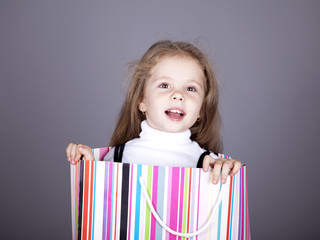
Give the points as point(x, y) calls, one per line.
point(107, 202)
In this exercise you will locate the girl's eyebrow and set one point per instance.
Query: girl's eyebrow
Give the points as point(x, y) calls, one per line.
point(196, 82)
point(170, 79)
point(166, 78)
point(162, 78)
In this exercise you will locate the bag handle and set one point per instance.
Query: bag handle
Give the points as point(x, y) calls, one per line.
point(167, 228)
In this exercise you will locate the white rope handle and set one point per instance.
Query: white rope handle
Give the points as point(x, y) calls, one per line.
point(168, 229)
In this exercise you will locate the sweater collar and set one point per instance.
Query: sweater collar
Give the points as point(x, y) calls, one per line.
point(150, 134)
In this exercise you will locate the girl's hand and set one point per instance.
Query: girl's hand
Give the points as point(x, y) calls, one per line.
point(75, 151)
point(226, 166)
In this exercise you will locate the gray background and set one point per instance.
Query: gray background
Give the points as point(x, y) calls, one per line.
point(62, 69)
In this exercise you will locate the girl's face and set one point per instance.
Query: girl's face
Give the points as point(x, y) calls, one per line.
point(174, 94)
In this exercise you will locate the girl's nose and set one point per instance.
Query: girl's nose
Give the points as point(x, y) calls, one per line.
point(177, 96)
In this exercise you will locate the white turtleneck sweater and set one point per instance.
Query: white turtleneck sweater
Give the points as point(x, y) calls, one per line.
point(155, 147)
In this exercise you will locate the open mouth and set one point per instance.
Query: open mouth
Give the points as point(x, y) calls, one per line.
point(175, 114)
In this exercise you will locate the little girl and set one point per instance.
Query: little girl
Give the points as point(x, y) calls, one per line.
point(170, 114)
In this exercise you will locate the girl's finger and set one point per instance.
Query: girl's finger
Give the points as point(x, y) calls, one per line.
point(68, 151)
point(86, 152)
point(73, 153)
point(236, 167)
point(217, 170)
point(227, 165)
point(78, 154)
point(207, 161)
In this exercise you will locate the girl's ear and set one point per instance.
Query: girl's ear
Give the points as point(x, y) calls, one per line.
point(142, 106)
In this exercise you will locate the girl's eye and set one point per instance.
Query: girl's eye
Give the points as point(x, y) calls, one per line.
point(191, 89)
point(164, 85)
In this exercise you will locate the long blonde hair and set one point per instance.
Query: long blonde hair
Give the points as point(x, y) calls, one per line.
point(206, 131)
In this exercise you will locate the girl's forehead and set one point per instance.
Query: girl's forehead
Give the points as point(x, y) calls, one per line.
point(177, 66)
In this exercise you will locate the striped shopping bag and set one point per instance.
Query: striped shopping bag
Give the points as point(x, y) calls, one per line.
point(130, 201)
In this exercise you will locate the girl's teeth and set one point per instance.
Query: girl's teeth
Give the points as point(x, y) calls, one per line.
point(175, 111)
